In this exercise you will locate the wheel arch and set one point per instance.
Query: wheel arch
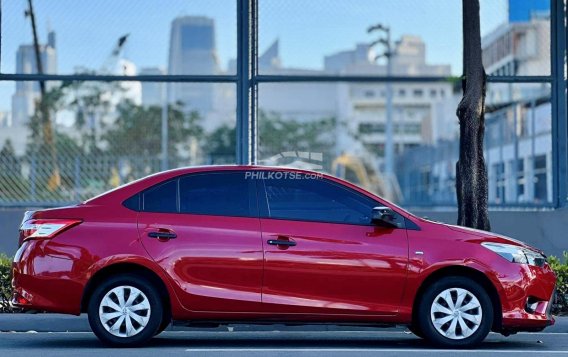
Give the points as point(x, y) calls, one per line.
point(128, 268)
point(463, 271)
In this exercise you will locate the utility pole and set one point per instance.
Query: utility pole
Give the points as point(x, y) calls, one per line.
point(389, 130)
point(55, 179)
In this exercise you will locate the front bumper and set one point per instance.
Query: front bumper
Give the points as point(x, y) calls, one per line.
point(527, 298)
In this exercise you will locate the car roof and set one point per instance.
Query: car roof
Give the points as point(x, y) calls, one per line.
point(121, 193)
point(133, 187)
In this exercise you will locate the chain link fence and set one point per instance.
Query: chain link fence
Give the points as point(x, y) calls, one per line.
point(99, 137)
point(33, 181)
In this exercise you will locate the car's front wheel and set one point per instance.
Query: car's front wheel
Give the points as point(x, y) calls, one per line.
point(125, 311)
point(455, 312)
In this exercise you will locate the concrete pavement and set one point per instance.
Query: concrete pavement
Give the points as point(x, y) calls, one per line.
point(278, 343)
point(35, 334)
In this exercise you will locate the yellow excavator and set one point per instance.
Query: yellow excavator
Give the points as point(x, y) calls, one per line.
point(356, 170)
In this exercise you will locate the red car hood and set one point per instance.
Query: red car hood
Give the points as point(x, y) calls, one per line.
point(490, 236)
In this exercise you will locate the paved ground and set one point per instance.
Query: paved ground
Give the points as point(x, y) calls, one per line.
point(252, 341)
point(277, 343)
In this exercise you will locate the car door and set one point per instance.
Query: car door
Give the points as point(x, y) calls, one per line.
point(203, 230)
point(322, 254)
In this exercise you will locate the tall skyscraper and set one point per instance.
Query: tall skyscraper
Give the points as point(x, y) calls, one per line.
point(192, 51)
point(23, 100)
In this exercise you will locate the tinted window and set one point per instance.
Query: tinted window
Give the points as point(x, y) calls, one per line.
point(133, 203)
point(316, 200)
point(222, 194)
point(161, 198)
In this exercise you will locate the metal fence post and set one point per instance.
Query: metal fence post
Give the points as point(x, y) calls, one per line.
point(559, 120)
point(247, 44)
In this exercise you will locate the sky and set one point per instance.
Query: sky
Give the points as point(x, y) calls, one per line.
point(307, 29)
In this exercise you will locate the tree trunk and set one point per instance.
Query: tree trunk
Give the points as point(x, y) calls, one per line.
point(471, 174)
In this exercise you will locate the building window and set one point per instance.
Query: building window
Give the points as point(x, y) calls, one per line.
point(499, 170)
point(520, 179)
point(372, 128)
point(540, 193)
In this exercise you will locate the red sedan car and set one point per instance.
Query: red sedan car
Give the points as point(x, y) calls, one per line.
point(216, 245)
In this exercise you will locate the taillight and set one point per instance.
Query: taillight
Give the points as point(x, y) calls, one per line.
point(45, 228)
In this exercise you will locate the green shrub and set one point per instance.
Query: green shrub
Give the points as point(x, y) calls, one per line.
point(5, 283)
point(561, 269)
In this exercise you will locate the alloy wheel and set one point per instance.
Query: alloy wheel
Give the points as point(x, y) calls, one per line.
point(456, 313)
point(124, 311)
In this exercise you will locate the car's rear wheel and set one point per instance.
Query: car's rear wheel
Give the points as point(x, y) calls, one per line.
point(455, 312)
point(125, 311)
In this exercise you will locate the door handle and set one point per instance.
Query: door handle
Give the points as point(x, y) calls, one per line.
point(287, 243)
point(162, 235)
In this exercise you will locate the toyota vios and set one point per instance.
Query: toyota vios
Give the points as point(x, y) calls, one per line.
point(215, 245)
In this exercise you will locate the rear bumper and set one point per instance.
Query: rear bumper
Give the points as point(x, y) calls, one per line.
point(44, 282)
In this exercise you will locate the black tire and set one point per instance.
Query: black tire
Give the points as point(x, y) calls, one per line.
point(416, 331)
point(155, 312)
point(164, 325)
point(430, 332)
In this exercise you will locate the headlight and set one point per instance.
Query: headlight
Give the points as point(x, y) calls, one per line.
point(516, 254)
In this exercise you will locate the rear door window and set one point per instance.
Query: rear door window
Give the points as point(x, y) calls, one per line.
point(221, 194)
point(161, 198)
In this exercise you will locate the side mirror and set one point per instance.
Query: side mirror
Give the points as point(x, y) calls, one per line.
point(384, 215)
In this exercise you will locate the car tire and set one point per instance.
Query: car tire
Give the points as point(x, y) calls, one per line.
point(416, 331)
point(455, 312)
point(163, 326)
point(125, 311)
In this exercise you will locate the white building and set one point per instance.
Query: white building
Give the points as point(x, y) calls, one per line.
point(153, 93)
point(363, 105)
point(5, 119)
point(358, 107)
point(28, 92)
point(519, 153)
point(518, 146)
